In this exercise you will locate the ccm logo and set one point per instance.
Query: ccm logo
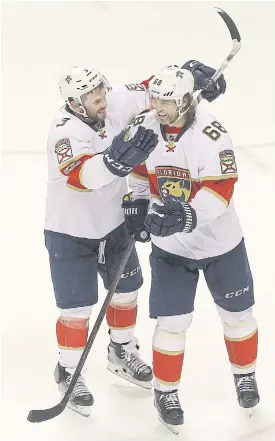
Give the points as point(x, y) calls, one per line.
point(115, 164)
point(236, 293)
point(131, 273)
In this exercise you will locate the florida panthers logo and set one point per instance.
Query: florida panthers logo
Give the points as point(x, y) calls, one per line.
point(174, 182)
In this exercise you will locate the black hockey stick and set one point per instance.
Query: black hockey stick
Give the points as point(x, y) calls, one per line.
point(236, 46)
point(37, 416)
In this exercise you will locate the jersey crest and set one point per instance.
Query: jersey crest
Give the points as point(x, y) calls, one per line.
point(174, 182)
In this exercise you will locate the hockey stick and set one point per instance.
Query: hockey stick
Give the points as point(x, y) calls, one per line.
point(236, 46)
point(37, 416)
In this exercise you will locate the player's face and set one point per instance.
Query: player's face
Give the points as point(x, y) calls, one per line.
point(166, 110)
point(96, 104)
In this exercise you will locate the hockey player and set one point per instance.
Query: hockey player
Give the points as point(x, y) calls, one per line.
point(84, 228)
point(190, 177)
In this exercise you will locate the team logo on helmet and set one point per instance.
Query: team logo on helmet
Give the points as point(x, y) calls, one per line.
point(174, 182)
point(179, 74)
point(68, 79)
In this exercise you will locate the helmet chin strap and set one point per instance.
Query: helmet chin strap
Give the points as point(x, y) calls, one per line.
point(180, 114)
point(84, 116)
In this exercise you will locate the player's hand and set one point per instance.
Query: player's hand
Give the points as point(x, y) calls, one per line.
point(145, 141)
point(203, 81)
point(171, 217)
point(125, 152)
point(134, 214)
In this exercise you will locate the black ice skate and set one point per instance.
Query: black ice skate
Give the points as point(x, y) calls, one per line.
point(169, 409)
point(81, 399)
point(128, 365)
point(247, 391)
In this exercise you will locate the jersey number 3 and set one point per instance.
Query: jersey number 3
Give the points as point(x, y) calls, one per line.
point(63, 122)
point(214, 130)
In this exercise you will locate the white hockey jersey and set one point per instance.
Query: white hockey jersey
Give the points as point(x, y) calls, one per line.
point(197, 165)
point(83, 197)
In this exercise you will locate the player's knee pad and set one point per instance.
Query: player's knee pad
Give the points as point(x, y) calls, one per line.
point(170, 332)
point(175, 323)
point(83, 312)
point(124, 298)
point(237, 324)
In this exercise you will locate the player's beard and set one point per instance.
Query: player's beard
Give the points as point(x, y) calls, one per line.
point(97, 118)
point(101, 115)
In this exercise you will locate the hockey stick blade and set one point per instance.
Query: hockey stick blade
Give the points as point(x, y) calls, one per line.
point(236, 40)
point(235, 35)
point(38, 416)
point(236, 45)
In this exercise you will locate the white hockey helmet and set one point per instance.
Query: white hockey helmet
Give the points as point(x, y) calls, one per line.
point(172, 83)
point(79, 81)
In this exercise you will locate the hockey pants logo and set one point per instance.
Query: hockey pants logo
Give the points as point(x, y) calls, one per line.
point(238, 293)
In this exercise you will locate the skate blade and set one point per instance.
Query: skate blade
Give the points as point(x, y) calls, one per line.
point(249, 412)
point(82, 410)
point(117, 370)
point(171, 427)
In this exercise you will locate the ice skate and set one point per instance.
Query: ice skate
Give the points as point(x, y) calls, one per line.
point(81, 399)
point(169, 410)
point(247, 391)
point(125, 362)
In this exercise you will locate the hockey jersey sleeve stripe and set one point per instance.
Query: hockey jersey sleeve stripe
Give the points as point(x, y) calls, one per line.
point(139, 176)
point(140, 171)
point(219, 178)
point(78, 187)
point(73, 170)
point(222, 189)
point(74, 163)
point(217, 195)
point(195, 188)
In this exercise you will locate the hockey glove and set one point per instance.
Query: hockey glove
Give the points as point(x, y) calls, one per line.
point(135, 213)
point(125, 153)
point(202, 75)
point(172, 217)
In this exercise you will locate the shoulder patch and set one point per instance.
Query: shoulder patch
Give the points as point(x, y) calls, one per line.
point(228, 162)
point(63, 150)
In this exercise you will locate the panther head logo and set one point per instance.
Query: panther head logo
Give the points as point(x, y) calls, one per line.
point(176, 189)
